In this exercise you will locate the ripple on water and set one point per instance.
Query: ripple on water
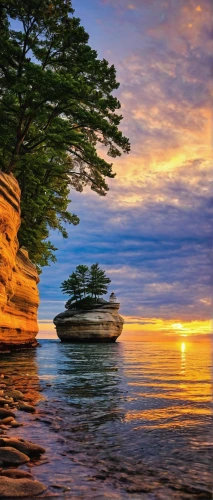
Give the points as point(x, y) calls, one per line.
point(128, 420)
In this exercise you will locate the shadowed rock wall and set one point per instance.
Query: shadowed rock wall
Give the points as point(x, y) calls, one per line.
point(19, 297)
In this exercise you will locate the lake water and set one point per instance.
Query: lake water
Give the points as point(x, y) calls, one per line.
point(130, 420)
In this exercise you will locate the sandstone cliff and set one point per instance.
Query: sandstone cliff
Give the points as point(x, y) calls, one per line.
point(101, 323)
point(18, 276)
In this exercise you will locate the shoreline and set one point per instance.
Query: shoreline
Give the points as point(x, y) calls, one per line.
point(16, 452)
point(17, 455)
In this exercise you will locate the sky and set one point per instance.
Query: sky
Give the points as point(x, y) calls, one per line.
point(152, 233)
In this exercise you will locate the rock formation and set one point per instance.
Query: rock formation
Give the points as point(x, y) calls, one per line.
point(101, 323)
point(18, 276)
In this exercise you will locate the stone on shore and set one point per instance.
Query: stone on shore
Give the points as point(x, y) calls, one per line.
point(26, 447)
point(7, 420)
point(28, 408)
point(6, 413)
point(15, 394)
point(24, 487)
point(4, 401)
point(14, 423)
point(11, 456)
point(15, 473)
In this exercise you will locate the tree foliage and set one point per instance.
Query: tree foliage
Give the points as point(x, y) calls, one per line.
point(56, 107)
point(85, 284)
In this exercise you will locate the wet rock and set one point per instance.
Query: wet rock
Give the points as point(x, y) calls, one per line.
point(11, 456)
point(6, 413)
point(23, 487)
point(3, 401)
point(26, 447)
point(14, 423)
point(7, 420)
point(15, 473)
point(16, 395)
point(28, 408)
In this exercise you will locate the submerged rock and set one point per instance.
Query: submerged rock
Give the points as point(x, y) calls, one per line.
point(100, 323)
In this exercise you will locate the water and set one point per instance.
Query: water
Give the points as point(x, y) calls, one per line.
point(119, 421)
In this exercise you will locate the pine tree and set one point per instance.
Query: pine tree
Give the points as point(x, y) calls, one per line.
point(98, 282)
point(82, 274)
point(56, 107)
point(85, 285)
point(72, 287)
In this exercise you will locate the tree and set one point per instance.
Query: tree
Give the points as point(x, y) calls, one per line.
point(82, 274)
point(85, 285)
point(44, 205)
point(56, 106)
point(98, 282)
point(72, 287)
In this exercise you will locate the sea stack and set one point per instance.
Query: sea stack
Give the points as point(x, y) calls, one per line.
point(98, 323)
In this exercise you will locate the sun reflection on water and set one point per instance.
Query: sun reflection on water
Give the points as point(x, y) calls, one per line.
point(183, 358)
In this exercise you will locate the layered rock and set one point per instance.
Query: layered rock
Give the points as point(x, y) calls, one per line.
point(18, 276)
point(101, 323)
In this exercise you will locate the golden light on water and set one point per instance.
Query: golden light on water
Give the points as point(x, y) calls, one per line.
point(183, 347)
point(183, 358)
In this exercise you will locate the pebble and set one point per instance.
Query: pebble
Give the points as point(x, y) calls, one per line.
point(15, 394)
point(28, 408)
point(6, 413)
point(7, 420)
point(23, 487)
point(11, 456)
point(3, 401)
point(26, 447)
point(14, 451)
point(15, 473)
point(14, 423)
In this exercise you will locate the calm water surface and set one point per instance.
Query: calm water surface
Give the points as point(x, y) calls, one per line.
point(130, 420)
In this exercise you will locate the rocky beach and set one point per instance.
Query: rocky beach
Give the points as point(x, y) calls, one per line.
point(16, 481)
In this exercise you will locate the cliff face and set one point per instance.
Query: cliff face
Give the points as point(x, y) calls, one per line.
point(18, 276)
point(100, 324)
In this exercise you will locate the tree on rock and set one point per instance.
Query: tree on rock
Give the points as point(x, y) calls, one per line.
point(83, 276)
point(72, 287)
point(98, 282)
point(85, 285)
point(56, 107)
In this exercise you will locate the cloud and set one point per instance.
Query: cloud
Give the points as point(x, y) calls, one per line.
point(153, 231)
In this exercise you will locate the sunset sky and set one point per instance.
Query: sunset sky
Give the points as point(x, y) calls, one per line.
point(152, 233)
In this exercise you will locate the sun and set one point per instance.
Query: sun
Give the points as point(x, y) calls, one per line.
point(177, 326)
